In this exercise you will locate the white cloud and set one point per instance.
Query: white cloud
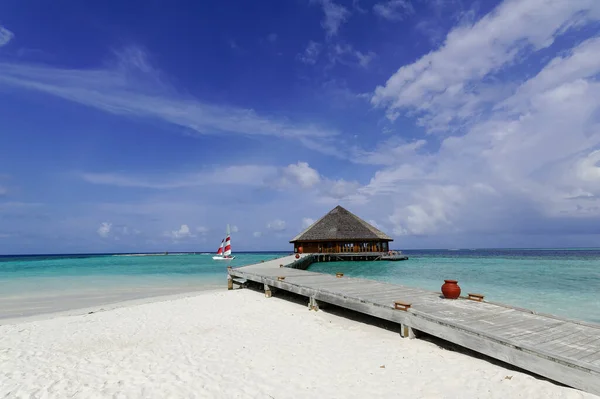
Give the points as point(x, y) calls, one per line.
point(526, 158)
point(246, 175)
point(276, 225)
point(183, 233)
point(335, 16)
point(440, 86)
point(257, 234)
point(393, 10)
point(347, 55)
point(104, 229)
point(234, 229)
point(133, 88)
point(390, 152)
point(302, 174)
point(311, 53)
point(298, 174)
point(307, 222)
point(5, 36)
point(340, 189)
point(431, 213)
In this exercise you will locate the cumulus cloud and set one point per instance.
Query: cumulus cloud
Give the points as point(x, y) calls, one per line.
point(257, 234)
point(5, 36)
point(520, 158)
point(302, 174)
point(104, 229)
point(234, 229)
point(183, 233)
point(447, 85)
point(276, 225)
point(340, 189)
point(298, 174)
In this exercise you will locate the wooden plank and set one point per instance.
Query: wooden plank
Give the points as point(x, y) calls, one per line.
point(571, 375)
point(505, 330)
point(375, 295)
point(393, 295)
point(580, 348)
point(313, 282)
point(550, 334)
point(467, 318)
point(562, 350)
point(526, 335)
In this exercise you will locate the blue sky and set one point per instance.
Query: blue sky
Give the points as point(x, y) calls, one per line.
point(148, 126)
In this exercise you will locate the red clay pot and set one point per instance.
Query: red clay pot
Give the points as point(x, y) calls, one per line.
point(450, 289)
point(297, 256)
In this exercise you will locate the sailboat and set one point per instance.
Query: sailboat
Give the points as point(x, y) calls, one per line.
point(224, 252)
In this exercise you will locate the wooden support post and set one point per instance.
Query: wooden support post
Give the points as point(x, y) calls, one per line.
point(229, 279)
point(313, 304)
point(406, 332)
point(268, 291)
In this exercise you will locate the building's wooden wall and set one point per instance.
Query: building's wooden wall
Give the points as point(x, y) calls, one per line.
point(336, 247)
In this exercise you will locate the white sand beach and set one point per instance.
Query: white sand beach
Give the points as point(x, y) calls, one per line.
point(239, 344)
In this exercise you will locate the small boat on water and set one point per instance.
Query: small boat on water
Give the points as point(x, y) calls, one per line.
point(224, 252)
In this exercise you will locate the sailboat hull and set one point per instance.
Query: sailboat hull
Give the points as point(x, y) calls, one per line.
point(223, 258)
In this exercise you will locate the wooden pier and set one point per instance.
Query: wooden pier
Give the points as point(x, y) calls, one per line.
point(566, 351)
point(356, 256)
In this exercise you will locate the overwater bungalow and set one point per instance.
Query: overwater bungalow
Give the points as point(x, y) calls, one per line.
point(341, 231)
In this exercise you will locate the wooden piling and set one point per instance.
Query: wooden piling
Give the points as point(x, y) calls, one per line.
point(268, 292)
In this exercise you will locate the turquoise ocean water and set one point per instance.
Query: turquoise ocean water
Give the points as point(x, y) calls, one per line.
point(562, 282)
point(31, 285)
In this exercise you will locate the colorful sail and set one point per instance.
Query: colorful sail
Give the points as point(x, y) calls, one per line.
point(227, 252)
point(220, 251)
point(225, 248)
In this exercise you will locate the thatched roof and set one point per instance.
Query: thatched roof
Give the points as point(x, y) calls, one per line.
point(340, 224)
